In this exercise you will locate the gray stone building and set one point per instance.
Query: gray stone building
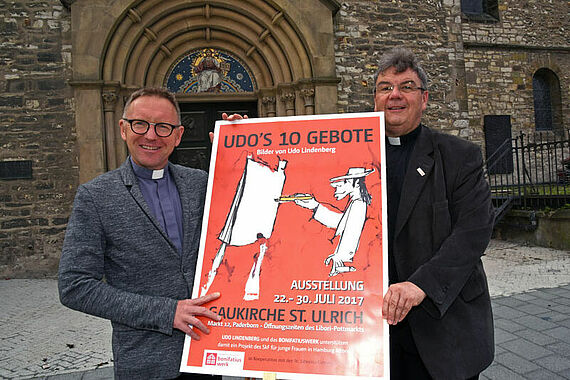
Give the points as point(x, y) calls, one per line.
point(496, 67)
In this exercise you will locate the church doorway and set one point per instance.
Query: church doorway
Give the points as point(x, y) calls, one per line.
point(208, 53)
point(198, 120)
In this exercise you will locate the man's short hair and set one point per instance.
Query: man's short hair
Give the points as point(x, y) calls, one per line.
point(153, 91)
point(401, 59)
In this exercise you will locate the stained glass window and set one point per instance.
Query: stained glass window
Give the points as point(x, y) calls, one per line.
point(210, 70)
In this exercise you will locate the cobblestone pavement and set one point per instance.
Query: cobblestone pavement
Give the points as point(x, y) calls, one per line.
point(532, 336)
point(41, 339)
point(514, 268)
point(39, 336)
point(531, 309)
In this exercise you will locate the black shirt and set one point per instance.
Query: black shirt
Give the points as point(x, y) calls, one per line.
point(397, 158)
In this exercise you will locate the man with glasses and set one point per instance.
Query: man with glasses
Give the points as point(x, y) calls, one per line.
point(131, 245)
point(440, 220)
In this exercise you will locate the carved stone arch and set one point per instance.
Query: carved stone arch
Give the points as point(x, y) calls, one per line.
point(123, 45)
point(152, 37)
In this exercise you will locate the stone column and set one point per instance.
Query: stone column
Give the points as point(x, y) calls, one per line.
point(289, 99)
point(89, 124)
point(269, 106)
point(309, 99)
point(109, 102)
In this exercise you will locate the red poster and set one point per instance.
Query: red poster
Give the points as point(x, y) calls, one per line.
point(292, 238)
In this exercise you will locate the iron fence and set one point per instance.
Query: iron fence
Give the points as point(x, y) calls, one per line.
point(531, 170)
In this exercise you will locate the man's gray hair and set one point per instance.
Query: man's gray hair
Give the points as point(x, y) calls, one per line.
point(401, 59)
point(156, 92)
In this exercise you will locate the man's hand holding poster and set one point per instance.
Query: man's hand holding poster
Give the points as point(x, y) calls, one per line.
point(292, 238)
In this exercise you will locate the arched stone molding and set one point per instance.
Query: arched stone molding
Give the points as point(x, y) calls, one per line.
point(135, 43)
point(544, 61)
point(152, 34)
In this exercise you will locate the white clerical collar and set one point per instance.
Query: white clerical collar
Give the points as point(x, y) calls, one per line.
point(157, 174)
point(394, 140)
point(147, 173)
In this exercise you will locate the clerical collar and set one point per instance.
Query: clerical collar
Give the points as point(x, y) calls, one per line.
point(394, 140)
point(147, 173)
point(405, 139)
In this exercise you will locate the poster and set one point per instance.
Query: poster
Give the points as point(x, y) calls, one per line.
point(292, 238)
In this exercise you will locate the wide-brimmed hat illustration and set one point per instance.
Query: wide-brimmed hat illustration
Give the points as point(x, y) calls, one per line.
point(353, 173)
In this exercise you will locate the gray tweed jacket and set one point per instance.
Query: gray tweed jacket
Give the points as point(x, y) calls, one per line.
point(117, 263)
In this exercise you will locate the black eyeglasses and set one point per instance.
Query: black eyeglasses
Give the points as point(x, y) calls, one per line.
point(140, 127)
point(408, 87)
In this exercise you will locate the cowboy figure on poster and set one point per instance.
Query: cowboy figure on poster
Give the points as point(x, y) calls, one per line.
point(349, 223)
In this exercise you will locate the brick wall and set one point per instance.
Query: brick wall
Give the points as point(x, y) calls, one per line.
point(475, 69)
point(36, 124)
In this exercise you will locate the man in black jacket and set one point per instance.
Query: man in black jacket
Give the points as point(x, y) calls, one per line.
point(440, 220)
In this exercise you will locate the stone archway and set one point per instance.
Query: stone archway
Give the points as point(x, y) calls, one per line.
point(121, 45)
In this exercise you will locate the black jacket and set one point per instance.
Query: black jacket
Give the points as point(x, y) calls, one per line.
point(444, 224)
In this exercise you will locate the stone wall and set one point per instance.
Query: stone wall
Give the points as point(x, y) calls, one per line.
point(358, 42)
point(502, 57)
point(499, 82)
point(542, 228)
point(523, 22)
point(36, 124)
point(365, 29)
point(475, 69)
